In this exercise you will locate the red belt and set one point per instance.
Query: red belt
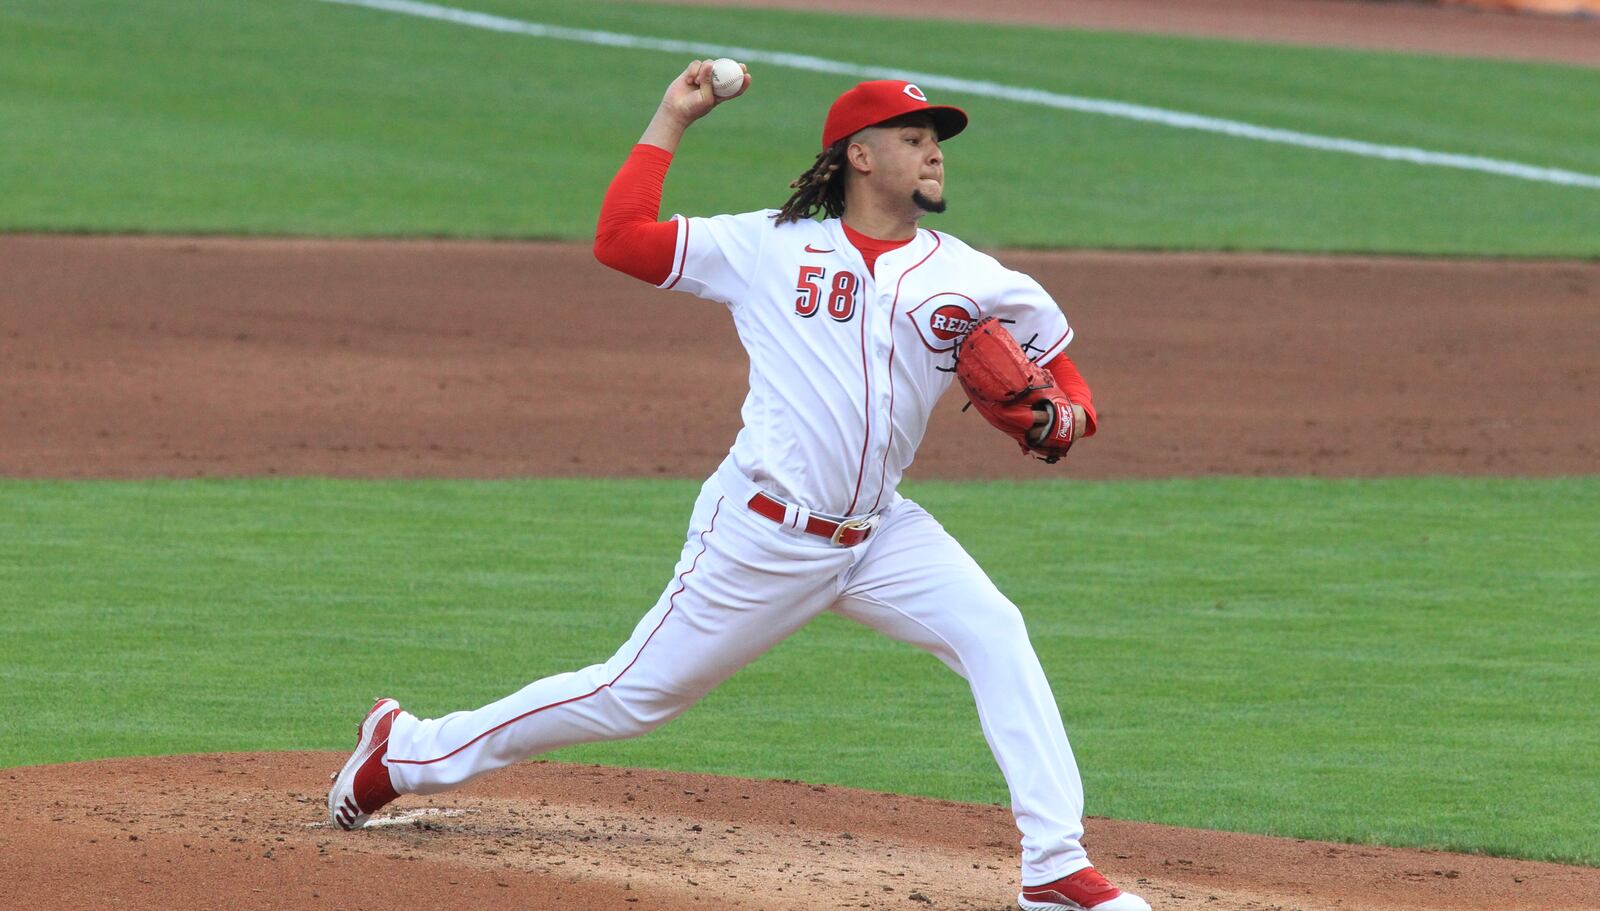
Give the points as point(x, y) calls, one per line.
point(847, 533)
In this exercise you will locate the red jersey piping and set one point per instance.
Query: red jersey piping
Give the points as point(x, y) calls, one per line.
point(883, 469)
point(683, 254)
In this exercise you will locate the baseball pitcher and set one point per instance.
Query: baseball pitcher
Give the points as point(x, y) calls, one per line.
point(855, 324)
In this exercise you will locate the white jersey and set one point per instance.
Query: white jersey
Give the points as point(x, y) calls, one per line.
point(846, 364)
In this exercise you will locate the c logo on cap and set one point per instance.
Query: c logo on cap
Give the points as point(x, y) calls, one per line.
point(915, 92)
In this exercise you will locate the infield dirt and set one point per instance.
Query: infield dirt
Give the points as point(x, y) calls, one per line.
point(138, 357)
point(1414, 26)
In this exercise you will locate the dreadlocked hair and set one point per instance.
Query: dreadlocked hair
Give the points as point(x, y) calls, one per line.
point(820, 188)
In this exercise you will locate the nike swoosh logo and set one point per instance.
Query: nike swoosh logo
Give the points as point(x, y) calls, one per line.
point(811, 249)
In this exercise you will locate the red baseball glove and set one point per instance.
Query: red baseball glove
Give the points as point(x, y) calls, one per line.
point(1017, 396)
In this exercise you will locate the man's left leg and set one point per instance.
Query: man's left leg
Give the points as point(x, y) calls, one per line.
point(915, 583)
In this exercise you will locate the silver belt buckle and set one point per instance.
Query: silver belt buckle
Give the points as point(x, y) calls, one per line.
point(867, 522)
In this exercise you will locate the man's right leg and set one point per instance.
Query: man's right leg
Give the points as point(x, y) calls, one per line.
point(740, 587)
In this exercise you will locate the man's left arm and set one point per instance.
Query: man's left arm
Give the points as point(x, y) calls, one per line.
point(1077, 391)
point(1036, 321)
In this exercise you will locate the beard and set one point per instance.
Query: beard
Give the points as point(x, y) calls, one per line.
point(929, 205)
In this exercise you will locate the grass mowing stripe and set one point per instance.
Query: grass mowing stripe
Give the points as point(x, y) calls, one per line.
point(305, 118)
point(1031, 96)
point(1403, 661)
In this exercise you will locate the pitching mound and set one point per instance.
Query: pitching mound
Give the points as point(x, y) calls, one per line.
point(248, 831)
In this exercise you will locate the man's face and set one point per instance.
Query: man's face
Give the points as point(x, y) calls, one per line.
point(907, 163)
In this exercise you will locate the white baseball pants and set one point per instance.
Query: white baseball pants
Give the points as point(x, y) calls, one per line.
point(742, 584)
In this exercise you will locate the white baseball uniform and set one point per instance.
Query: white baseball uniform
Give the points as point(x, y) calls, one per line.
point(846, 364)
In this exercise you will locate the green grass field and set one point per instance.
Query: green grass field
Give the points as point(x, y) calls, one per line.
point(1403, 661)
point(300, 117)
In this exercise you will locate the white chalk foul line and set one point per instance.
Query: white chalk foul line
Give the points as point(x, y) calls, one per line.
point(1137, 112)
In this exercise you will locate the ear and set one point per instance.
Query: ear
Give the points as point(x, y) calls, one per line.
point(859, 157)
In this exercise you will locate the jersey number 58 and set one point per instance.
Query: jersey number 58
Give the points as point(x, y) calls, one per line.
point(841, 292)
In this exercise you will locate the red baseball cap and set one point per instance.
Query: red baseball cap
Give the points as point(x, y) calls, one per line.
point(874, 102)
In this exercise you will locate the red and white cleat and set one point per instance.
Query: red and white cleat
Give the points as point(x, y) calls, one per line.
point(1085, 890)
point(362, 787)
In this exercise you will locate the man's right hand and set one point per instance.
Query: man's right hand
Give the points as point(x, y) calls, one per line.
point(688, 98)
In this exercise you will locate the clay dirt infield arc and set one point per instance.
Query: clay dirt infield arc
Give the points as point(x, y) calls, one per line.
point(1417, 26)
point(141, 357)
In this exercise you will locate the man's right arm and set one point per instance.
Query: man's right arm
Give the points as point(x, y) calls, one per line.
point(629, 239)
point(629, 236)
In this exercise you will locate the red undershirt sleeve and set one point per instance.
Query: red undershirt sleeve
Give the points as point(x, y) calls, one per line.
point(1072, 383)
point(629, 238)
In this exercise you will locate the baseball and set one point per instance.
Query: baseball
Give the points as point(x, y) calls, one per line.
point(727, 77)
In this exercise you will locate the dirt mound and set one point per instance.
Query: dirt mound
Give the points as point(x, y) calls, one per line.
point(136, 357)
point(249, 831)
